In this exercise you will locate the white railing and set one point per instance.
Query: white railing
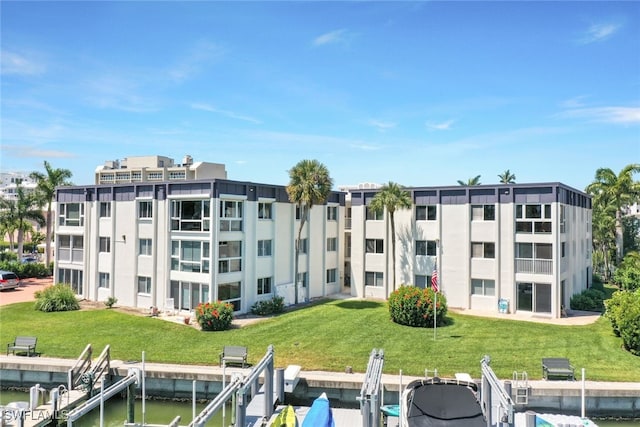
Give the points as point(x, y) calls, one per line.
point(535, 266)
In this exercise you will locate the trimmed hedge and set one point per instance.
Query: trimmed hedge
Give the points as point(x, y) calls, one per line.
point(274, 305)
point(413, 306)
point(623, 310)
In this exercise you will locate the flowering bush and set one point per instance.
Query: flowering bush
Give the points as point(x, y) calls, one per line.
point(215, 316)
point(413, 306)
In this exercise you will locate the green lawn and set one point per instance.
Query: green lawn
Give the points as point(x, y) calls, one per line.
point(332, 335)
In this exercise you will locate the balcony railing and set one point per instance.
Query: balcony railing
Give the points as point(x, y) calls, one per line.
point(535, 266)
point(347, 223)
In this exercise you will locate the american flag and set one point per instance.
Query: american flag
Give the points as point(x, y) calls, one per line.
point(434, 281)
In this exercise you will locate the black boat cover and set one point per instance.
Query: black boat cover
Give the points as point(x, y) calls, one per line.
point(436, 403)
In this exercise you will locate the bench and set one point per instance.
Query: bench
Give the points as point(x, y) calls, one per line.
point(557, 367)
point(23, 345)
point(234, 354)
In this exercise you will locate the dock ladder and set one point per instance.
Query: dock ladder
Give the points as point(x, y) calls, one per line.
point(521, 387)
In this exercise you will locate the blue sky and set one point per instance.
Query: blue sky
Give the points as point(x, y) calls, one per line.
point(420, 93)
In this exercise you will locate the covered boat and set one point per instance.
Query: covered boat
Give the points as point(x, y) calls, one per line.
point(436, 402)
point(320, 414)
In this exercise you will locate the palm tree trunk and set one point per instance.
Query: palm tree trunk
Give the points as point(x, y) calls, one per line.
point(619, 237)
point(20, 243)
point(47, 255)
point(393, 250)
point(297, 257)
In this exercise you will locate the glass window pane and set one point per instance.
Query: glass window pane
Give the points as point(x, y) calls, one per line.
point(543, 298)
point(476, 287)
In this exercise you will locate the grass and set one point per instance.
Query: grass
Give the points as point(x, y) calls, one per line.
point(332, 335)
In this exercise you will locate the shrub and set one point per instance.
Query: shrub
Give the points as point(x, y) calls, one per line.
point(623, 310)
point(215, 316)
point(627, 275)
point(110, 302)
point(58, 297)
point(6, 256)
point(588, 300)
point(31, 269)
point(413, 306)
point(274, 305)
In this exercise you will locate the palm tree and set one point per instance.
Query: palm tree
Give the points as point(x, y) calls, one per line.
point(46, 189)
point(309, 184)
point(619, 191)
point(471, 181)
point(507, 177)
point(391, 197)
point(18, 214)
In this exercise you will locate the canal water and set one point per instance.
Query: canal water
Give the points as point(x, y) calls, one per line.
point(165, 411)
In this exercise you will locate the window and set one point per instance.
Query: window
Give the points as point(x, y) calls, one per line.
point(70, 248)
point(103, 280)
point(304, 245)
point(144, 285)
point(530, 219)
point(483, 287)
point(332, 244)
point(71, 214)
point(231, 293)
point(264, 285)
point(483, 250)
point(373, 278)
point(187, 295)
point(563, 247)
point(374, 215)
point(426, 247)
point(302, 279)
point(105, 244)
point(483, 212)
point(426, 213)
point(177, 175)
point(563, 219)
point(145, 209)
point(420, 281)
point(190, 215)
point(332, 213)
point(264, 247)
point(374, 246)
point(71, 277)
point(144, 247)
point(332, 275)
point(264, 210)
point(105, 209)
point(229, 256)
point(230, 215)
point(190, 255)
point(534, 297)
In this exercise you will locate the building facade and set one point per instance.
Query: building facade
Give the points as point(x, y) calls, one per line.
point(176, 244)
point(528, 245)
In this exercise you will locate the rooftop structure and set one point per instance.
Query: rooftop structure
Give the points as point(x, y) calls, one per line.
point(156, 169)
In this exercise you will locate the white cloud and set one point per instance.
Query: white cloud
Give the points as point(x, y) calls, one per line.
point(226, 113)
point(14, 63)
point(599, 32)
point(381, 126)
point(616, 115)
point(440, 126)
point(366, 147)
point(336, 36)
point(197, 58)
point(112, 91)
point(576, 102)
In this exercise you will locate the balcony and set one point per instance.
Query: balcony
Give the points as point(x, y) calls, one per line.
point(347, 223)
point(534, 266)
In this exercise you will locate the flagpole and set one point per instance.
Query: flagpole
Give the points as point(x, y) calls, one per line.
point(435, 288)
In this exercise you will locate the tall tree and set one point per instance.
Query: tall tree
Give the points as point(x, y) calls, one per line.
point(471, 181)
point(507, 177)
point(309, 185)
point(46, 189)
point(391, 197)
point(618, 191)
point(20, 212)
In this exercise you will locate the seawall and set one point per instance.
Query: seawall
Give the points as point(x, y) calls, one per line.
point(602, 399)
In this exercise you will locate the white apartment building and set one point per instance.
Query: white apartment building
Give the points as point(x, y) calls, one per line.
point(528, 244)
point(174, 244)
point(156, 169)
point(178, 242)
point(9, 182)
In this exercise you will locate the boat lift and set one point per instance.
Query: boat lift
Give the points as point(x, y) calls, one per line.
point(371, 392)
point(491, 384)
